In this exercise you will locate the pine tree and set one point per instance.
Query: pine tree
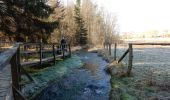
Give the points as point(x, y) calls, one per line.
point(81, 31)
point(20, 18)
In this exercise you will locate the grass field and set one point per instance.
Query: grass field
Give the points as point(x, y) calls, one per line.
point(150, 78)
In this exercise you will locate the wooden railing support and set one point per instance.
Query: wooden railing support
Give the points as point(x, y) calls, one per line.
point(15, 74)
point(115, 48)
point(121, 58)
point(63, 50)
point(54, 53)
point(19, 63)
point(13, 58)
point(69, 50)
point(41, 54)
point(130, 59)
point(110, 49)
point(18, 94)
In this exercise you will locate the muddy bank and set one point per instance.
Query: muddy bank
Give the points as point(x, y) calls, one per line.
point(89, 82)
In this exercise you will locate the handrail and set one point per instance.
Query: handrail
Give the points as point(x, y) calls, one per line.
point(6, 56)
point(150, 43)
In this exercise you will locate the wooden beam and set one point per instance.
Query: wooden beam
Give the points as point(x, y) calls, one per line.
point(27, 74)
point(121, 58)
point(17, 94)
point(150, 43)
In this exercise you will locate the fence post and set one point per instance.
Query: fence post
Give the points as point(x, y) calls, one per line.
point(54, 53)
point(110, 49)
point(115, 48)
point(41, 54)
point(62, 47)
point(69, 50)
point(130, 59)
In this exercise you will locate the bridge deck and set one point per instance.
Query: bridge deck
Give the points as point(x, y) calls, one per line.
point(5, 84)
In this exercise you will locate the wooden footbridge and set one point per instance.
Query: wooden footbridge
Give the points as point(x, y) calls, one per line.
point(21, 55)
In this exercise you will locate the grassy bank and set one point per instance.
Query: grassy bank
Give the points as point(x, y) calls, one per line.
point(43, 77)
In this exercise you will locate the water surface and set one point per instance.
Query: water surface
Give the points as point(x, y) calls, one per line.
point(87, 83)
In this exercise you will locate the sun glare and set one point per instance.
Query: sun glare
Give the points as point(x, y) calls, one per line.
point(139, 15)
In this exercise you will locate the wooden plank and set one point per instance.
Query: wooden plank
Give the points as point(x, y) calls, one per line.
point(32, 63)
point(35, 52)
point(5, 83)
point(45, 60)
point(121, 58)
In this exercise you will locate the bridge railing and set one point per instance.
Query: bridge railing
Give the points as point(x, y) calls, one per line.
point(41, 53)
point(12, 57)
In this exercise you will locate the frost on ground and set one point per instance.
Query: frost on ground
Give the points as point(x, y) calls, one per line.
point(44, 76)
point(150, 78)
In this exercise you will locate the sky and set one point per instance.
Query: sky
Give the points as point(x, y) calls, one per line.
point(139, 15)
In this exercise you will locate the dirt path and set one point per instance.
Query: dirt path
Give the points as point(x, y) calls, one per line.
point(87, 83)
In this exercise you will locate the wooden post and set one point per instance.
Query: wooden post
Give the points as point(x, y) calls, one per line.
point(15, 76)
point(130, 59)
point(107, 47)
point(104, 45)
point(41, 54)
point(63, 51)
point(54, 53)
point(115, 48)
point(110, 49)
point(69, 50)
point(19, 63)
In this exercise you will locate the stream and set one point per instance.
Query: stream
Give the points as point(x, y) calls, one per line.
point(89, 82)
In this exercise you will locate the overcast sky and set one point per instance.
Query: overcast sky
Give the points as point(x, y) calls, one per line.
point(139, 15)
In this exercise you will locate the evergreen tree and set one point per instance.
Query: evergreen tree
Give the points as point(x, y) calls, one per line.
point(81, 31)
point(21, 18)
